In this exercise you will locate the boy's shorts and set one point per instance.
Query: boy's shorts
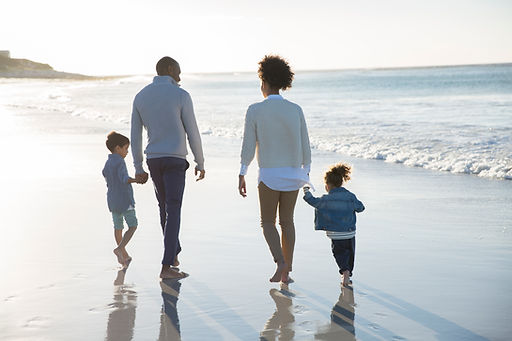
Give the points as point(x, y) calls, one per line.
point(129, 217)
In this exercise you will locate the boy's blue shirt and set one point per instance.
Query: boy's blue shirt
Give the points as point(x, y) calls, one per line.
point(335, 211)
point(119, 191)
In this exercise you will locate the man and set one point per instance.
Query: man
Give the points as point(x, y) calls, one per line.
point(166, 112)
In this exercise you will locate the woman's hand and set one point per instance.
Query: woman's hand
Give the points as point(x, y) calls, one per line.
point(241, 186)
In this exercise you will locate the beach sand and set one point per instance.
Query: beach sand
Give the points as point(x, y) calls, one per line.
point(433, 255)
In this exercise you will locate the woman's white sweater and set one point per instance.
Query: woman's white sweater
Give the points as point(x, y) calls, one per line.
point(275, 129)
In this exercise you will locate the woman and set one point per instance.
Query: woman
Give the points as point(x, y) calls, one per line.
point(276, 128)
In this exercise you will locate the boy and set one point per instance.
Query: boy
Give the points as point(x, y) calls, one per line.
point(120, 194)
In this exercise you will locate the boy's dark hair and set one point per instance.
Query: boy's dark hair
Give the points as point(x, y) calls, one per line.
point(115, 139)
point(276, 72)
point(338, 174)
point(162, 67)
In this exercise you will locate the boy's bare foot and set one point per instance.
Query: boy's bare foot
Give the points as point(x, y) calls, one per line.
point(279, 271)
point(346, 278)
point(119, 254)
point(171, 273)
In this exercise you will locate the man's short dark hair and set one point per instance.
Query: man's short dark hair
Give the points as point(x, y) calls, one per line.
point(162, 67)
point(115, 139)
point(275, 71)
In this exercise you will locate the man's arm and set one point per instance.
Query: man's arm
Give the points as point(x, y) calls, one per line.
point(194, 138)
point(136, 140)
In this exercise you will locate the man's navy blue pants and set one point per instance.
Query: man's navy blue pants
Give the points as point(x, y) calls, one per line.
point(168, 175)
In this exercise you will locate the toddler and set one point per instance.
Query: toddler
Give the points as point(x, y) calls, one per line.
point(120, 194)
point(335, 213)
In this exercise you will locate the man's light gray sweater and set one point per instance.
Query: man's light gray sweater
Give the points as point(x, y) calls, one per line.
point(166, 112)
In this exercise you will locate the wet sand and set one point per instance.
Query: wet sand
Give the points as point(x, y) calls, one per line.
point(433, 255)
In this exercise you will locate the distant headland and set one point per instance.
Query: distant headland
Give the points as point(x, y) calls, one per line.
point(24, 68)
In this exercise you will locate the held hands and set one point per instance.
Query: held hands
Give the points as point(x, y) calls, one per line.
point(200, 172)
point(306, 189)
point(241, 186)
point(141, 178)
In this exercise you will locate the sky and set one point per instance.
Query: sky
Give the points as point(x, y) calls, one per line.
point(121, 37)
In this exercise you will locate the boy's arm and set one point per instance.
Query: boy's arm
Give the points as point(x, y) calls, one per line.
point(310, 199)
point(122, 173)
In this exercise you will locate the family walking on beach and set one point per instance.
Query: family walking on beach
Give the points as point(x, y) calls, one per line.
point(275, 132)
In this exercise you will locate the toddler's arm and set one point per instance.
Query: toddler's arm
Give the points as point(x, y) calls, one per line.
point(310, 199)
point(359, 207)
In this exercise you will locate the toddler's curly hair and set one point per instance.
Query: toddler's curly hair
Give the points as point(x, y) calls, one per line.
point(338, 174)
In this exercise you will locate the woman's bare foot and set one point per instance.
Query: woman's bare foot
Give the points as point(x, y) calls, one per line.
point(279, 271)
point(171, 273)
point(285, 277)
point(346, 278)
point(119, 254)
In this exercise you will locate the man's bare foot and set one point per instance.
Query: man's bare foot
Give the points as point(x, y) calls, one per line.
point(279, 271)
point(176, 262)
point(171, 273)
point(346, 278)
point(127, 261)
point(119, 254)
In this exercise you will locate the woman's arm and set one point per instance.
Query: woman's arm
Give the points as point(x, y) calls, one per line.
point(249, 140)
point(306, 148)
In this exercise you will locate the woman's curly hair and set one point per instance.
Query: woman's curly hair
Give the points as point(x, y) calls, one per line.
point(338, 174)
point(276, 72)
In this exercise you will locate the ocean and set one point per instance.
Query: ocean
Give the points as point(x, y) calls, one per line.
point(451, 119)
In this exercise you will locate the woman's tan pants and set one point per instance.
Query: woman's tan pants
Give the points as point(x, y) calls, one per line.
point(270, 201)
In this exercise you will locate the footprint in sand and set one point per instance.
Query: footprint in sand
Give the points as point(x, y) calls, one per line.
point(48, 286)
point(37, 322)
point(10, 298)
point(381, 315)
point(374, 326)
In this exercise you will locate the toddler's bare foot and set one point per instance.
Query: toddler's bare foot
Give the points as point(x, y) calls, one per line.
point(346, 278)
point(279, 271)
point(119, 254)
point(171, 273)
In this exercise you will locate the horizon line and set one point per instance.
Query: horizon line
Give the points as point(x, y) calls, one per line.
point(378, 68)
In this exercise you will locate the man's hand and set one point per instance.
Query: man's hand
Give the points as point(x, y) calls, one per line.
point(200, 172)
point(141, 178)
point(241, 186)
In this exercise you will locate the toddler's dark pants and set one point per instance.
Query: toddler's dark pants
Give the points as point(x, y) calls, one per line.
point(344, 251)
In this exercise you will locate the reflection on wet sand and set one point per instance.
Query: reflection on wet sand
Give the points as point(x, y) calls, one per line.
point(121, 319)
point(341, 326)
point(280, 325)
point(169, 322)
